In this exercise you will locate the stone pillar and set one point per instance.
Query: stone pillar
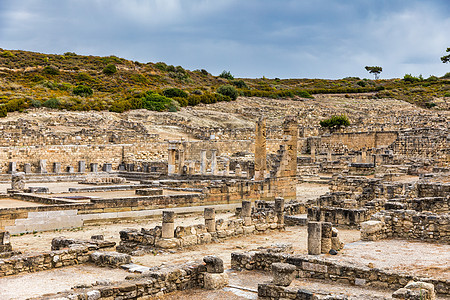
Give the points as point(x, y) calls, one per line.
point(82, 166)
point(27, 168)
point(215, 278)
point(56, 167)
point(314, 238)
point(171, 162)
point(374, 158)
point(210, 219)
point(260, 149)
point(313, 151)
point(181, 157)
point(226, 167)
point(5, 242)
point(203, 162)
point(107, 168)
point(12, 167)
point(42, 169)
point(251, 171)
point(168, 220)
point(94, 167)
point(191, 169)
point(213, 162)
point(70, 169)
point(329, 156)
point(283, 274)
point(363, 155)
point(279, 210)
point(290, 134)
point(238, 170)
point(246, 212)
point(326, 237)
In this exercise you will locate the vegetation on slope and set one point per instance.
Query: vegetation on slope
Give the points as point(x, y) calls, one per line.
point(77, 82)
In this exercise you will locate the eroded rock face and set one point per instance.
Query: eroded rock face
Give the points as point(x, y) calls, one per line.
point(18, 181)
point(283, 273)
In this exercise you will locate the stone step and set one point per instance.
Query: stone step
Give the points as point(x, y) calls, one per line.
point(134, 268)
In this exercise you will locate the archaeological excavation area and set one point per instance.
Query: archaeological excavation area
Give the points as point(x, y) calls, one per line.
point(258, 202)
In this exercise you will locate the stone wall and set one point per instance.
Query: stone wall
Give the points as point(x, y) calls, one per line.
point(407, 224)
point(323, 268)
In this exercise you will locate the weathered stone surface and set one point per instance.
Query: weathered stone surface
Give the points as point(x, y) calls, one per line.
point(215, 281)
point(283, 273)
point(112, 259)
point(214, 264)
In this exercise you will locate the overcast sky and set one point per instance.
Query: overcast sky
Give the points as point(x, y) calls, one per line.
point(250, 38)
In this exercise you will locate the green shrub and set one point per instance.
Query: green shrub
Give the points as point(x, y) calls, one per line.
point(447, 95)
point(15, 105)
point(226, 75)
point(51, 70)
point(110, 69)
point(3, 111)
point(239, 84)
point(175, 92)
point(82, 90)
point(51, 103)
point(182, 101)
point(430, 104)
point(120, 106)
point(171, 68)
point(83, 77)
point(446, 76)
point(36, 103)
point(156, 102)
point(361, 83)
point(7, 54)
point(228, 90)
point(432, 78)
point(335, 122)
point(161, 66)
point(412, 79)
point(303, 94)
point(204, 72)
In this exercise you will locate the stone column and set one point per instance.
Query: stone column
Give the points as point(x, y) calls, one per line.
point(168, 227)
point(82, 166)
point(70, 169)
point(213, 162)
point(238, 170)
point(326, 237)
point(191, 169)
point(42, 169)
point(27, 168)
point(290, 133)
point(279, 210)
point(94, 167)
point(171, 161)
point(314, 238)
point(374, 158)
point(203, 162)
point(107, 168)
point(260, 149)
point(329, 156)
point(226, 167)
point(283, 274)
point(181, 157)
point(246, 212)
point(363, 155)
point(313, 152)
point(56, 167)
point(12, 167)
point(210, 219)
point(215, 278)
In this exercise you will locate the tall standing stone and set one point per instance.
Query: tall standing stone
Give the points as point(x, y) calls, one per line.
point(246, 212)
point(82, 166)
point(181, 158)
point(325, 242)
point(171, 160)
point(42, 169)
point(279, 211)
point(56, 167)
point(260, 149)
point(314, 238)
point(203, 162)
point(213, 162)
point(168, 220)
point(290, 132)
point(210, 219)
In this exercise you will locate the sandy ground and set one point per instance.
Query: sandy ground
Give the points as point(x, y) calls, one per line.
point(11, 203)
point(115, 194)
point(306, 191)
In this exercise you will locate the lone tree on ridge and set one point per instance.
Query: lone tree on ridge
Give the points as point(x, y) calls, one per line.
point(446, 58)
point(375, 71)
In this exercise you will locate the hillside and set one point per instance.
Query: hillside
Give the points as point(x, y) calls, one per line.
point(75, 82)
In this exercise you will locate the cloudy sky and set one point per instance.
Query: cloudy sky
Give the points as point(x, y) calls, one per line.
point(250, 38)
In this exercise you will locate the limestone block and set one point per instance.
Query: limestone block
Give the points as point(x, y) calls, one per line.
point(314, 238)
point(167, 243)
point(210, 225)
point(283, 273)
point(168, 230)
point(370, 227)
point(215, 281)
point(18, 181)
point(114, 259)
point(168, 216)
point(204, 238)
point(214, 264)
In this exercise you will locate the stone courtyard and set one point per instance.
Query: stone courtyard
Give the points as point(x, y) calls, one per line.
point(251, 201)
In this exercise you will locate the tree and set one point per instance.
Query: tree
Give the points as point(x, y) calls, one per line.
point(110, 69)
point(375, 70)
point(228, 90)
point(446, 58)
point(226, 75)
point(335, 122)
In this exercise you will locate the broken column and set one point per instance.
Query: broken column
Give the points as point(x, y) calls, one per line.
point(313, 152)
point(171, 160)
point(27, 168)
point(290, 134)
point(283, 274)
point(238, 170)
point(363, 155)
point(42, 169)
point(215, 278)
point(94, 167)
point(168, 227)
point(56, 167)
point(314, 238)
point(82, 166)
point(12, 167)
point(181, 157)
point(5, 243)
point(226, 167)
point(213, 162)
point(260, 149)
point(246, 212)
point(210, 219)
point(203, 162)
point(326, 237)
point(279, 211)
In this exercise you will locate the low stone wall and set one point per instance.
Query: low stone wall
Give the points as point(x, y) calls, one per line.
point(433, 189)
point(322, 268)
point(407, 224)
point(137, 242)
point(153, 284)
point(269, 291)
point(339, 216)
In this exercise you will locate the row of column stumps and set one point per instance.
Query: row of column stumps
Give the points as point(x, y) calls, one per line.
point(57, 168)
point(209, 213)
